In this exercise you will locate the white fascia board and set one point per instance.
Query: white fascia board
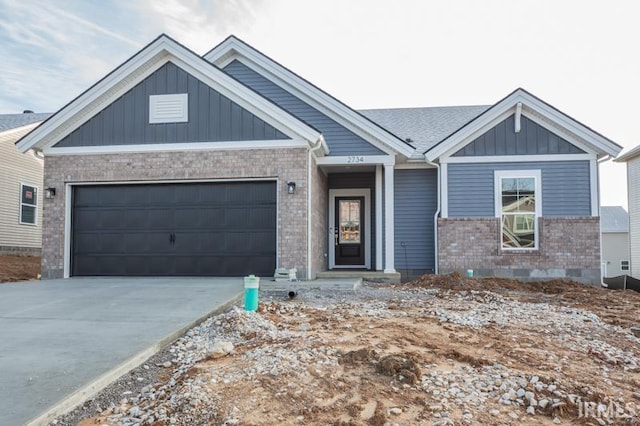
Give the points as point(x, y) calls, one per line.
point(629, 155)
point(170, 147)
point(576, 133)
point(141, 66)
point(38, 138)
point(518, 158)
point(233, 49)
point(356, 160)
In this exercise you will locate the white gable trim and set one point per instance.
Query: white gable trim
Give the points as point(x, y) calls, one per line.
point(143, 64)
point(518, 158)
point(233, 49)
point(177, 147)
point(534, 109)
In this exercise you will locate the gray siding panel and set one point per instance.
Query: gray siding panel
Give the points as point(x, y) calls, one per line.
point(566, 187)
point(416, 201)
point(340, 140)
point(532, 139)
point(212, 116)
point(359, 180)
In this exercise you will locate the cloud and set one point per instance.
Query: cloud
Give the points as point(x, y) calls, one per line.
point(52, 51)
point(199, 24)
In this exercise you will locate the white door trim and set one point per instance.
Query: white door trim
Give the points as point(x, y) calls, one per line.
point(358, 192)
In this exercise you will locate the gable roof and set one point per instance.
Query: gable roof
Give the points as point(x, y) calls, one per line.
point(424, 127)
point(532, 106)
point(613, 219)
point(157, 53)
point(629, 155)
point(14, 121)
point(232, 48)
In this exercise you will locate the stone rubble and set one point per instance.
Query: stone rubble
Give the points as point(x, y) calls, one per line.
point(273, 349)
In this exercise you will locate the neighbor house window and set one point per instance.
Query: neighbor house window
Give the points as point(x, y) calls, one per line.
point(28, 204)
point(624, 265)
point(518, 205)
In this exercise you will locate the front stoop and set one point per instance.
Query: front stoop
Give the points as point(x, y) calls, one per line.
point(377, 276)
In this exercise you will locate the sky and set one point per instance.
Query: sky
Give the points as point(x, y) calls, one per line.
point(583, 57)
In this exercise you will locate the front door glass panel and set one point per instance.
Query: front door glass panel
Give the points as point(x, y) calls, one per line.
point(349, 228)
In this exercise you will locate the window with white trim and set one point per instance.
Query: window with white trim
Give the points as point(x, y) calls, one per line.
point(28, 204)
point(624, 265)
point(518, 204)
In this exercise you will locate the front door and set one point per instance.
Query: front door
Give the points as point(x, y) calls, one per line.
point(349, 231)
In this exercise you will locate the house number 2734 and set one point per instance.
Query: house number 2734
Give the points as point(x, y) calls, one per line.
point(355, 159)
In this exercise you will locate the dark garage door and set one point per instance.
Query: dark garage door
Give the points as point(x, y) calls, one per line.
point(185, 229)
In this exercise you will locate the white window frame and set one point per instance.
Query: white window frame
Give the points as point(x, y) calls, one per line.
point(35, 206)
point(628, 265)
point(536, 175)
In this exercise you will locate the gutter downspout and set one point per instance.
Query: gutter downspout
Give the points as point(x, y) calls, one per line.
point(320, 143)
point(602, 283)
point(435, 216)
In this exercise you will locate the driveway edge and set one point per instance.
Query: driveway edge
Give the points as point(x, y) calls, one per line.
point(92, 389)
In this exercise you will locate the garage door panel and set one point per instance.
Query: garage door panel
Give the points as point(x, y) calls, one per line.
point(210, 229)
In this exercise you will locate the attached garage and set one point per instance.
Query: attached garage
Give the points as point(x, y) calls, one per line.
point(174, 229)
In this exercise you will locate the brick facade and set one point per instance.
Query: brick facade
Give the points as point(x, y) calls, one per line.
point(285, 165)
point(319, 219)
point(568, 247)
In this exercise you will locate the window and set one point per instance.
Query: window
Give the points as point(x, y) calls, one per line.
point(624, 265)
point(518, 205)
point(28, 204)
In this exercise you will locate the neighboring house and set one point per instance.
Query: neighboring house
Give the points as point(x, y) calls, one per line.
point(230, 164)
point(20, 187)
point(614, 228)
point(632, 158)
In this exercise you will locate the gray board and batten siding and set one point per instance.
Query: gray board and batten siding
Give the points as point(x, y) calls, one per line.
point(416, 202)
point(212, 116)
point(365, 180)
point(565, 187)
point(533, 139)
point(341, 141)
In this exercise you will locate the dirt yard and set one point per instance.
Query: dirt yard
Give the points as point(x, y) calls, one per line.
point(443, 350)
point(19, 268)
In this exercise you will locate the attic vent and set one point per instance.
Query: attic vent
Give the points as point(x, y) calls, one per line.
point(169, 108)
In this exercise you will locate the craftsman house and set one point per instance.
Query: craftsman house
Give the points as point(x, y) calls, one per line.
point(230, 164)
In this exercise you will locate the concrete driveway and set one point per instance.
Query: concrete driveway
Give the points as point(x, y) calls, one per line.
point(64, 337)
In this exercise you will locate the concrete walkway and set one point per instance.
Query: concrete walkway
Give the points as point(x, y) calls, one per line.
point(69, 338)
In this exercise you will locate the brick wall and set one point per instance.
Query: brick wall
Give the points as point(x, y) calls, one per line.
point(568, 247)
point(285, 165)
point(319, 219)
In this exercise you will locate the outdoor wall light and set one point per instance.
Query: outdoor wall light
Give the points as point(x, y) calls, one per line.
point(49, 192)
point(291, 187)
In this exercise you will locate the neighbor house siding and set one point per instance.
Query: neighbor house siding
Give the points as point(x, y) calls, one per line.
point(565, 187)
point(359, 180)
point(532, 139)
point(633, 173)
point(212, 116)
point(340, 140)
point(415, 203)
point(615, 248)
point(17, 168)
